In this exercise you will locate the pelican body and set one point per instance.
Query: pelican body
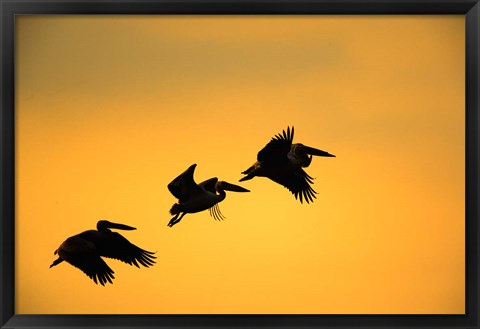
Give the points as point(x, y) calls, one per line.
point(193, 197)
point(85, 250)
point(282, 161)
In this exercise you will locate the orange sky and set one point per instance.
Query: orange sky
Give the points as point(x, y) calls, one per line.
point(109, 109)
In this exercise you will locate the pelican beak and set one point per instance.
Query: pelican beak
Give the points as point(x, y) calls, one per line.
point(121, 226)
point(235, 188)
point(314, 151)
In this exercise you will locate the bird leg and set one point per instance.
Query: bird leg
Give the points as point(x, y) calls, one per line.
point(176, 219)
point(56, 262)
point(251, 172)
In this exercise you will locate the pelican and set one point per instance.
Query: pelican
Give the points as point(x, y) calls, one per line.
point(85, 250)
point(282, 162)
point(193, 197)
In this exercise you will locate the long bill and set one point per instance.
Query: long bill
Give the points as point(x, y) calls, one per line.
point(314, 151)
point(231, 187)
point(119, 226)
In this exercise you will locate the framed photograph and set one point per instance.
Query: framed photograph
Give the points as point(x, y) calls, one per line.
point(218, 164)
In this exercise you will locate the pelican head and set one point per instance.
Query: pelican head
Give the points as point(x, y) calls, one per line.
point(105, 225)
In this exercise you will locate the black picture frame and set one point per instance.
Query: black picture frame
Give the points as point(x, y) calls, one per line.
point(9, 9)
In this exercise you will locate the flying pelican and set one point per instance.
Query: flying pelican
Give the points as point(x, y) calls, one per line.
point(193, 197)
point(85, 250)
point(282, 162)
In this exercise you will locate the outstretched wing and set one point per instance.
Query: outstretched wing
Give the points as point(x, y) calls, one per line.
point(275, 152)
point(298, 182)
point(117, 247)
point(84, 255)
point(182, 186)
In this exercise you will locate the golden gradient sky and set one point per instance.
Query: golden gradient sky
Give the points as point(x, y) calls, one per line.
point(109, 109)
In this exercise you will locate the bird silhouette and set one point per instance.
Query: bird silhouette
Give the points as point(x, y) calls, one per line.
point(84, 251)
point(282, 161)
point(193, 197)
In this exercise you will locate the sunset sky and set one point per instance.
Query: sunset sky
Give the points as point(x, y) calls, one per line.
point(110, 109)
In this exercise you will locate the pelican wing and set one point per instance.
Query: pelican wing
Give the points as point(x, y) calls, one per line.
point(83, 255)
point(94, 267)
point(276, 150)
point(118, 247)
point(183, 186)
point(298, 182)
point(209, 185)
